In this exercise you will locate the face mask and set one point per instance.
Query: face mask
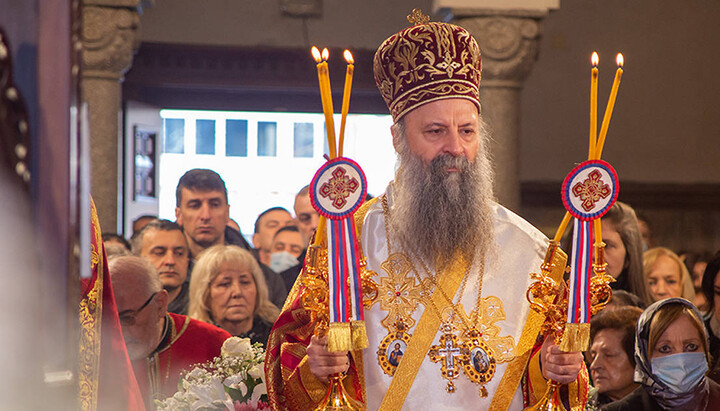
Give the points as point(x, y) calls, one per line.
point(680, 372)
point(281, 261)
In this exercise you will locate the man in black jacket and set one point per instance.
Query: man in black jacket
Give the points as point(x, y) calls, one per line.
point(203, 211)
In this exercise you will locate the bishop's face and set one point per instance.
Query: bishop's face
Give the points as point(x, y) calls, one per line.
point(448, 126)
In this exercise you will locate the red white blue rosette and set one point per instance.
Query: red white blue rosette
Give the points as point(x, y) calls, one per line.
point(336, 192)
point(338, 188)
point(590, 190)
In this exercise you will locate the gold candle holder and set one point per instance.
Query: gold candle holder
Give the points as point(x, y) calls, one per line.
point(315, 299)
point(547, 296)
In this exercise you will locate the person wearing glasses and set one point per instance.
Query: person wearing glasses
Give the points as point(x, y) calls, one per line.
point(160, 344)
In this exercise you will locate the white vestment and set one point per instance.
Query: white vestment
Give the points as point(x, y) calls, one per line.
point(519, 250)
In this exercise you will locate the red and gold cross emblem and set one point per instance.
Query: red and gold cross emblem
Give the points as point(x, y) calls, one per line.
point(339, 187)
point(591, 190)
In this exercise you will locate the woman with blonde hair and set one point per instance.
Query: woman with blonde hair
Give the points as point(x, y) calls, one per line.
point(666, 275)
point(228, 289)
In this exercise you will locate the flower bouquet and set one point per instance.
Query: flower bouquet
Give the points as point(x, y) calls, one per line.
point(234, 381)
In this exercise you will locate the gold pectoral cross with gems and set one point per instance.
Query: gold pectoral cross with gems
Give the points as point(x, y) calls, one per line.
point(450, 354)
point(399, 293)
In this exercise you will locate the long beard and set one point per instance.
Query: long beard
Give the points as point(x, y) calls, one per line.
point(438, 213)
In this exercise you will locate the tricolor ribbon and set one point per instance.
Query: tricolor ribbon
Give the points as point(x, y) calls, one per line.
point(336, 192)
point(581, 268)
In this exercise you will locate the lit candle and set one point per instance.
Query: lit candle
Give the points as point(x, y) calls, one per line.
point(346, 98)
point(593, 105)
point(325, 96)
point(610, 106)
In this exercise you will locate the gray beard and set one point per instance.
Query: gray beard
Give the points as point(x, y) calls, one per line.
point(437, 214)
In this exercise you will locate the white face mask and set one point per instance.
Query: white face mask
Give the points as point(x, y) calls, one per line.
point(680, 372)
point(282, 260)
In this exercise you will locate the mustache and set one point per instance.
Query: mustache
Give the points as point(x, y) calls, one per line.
point(440, 164)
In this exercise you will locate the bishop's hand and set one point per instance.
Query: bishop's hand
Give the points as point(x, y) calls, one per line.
point(323, 362)
point(559, 365)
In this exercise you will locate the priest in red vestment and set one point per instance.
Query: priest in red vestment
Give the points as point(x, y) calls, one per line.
point(106, 380)
point(161, 345)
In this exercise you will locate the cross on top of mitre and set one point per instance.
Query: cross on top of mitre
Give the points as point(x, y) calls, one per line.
point(417, 17)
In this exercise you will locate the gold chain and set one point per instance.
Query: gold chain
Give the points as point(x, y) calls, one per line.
point(386, 214)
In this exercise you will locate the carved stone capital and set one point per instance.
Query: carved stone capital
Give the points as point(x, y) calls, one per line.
point(110, 36)
point(509, 43)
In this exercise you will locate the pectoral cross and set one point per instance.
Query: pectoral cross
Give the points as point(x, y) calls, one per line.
point(446, 352)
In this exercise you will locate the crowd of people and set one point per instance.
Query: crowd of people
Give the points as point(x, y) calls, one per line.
point(184, 286)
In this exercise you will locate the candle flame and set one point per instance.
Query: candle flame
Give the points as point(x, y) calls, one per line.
point(595, 59)
point(316, 54)
point(620, 60)
point(325, 54)
point(348, 57)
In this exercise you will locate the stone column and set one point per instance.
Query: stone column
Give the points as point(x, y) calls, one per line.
point(509, 42)
point(110, 36)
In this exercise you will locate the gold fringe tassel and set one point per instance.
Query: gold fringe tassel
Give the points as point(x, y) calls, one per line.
point(576, 337)
point(339, 337)
point(359, 335)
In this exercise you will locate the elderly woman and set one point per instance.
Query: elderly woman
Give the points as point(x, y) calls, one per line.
point(667, 275)
point(711, 288)
point(671, 353)
point(228, 289)
point(612, 347)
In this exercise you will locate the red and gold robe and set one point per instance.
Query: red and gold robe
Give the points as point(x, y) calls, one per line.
point(187, 343)
point(105, 375)
point(520, 249)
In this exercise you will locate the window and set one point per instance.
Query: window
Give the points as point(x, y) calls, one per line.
point(174, 135)
point(267, 139)
point(205, 137)
point(303, 140)
point(236, 138)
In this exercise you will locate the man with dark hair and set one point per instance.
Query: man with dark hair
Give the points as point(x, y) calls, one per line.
point(202, 210)
point(140, 222)
point(306, 216)
point(266, 225)
point(287, 246)
point(163, 244)
point(612, 352)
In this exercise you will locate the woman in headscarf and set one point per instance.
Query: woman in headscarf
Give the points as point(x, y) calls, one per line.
point(671, 357)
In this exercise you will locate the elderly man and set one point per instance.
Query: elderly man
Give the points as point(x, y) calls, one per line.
point(451, 265)
point(266, 225)
point(203, 211)
point(163, 243)
point(160, 344)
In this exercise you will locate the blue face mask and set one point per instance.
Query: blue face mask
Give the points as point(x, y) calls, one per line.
point(680, 372)
point(282, 260)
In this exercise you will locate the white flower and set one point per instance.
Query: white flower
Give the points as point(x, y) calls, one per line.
point(257, 371)
point(233, 380)
point(259, 390)
point(235, 346)
point(207, 394)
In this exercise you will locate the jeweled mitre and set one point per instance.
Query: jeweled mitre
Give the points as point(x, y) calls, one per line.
point(427, 62)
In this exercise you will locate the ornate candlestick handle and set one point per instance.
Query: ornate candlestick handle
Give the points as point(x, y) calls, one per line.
point(315, 299)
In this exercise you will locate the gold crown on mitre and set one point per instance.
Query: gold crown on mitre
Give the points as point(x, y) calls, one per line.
point(426, 62)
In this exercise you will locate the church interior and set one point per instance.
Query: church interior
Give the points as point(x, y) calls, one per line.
point(86, 70)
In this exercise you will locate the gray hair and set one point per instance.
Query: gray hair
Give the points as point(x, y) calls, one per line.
point(128, 269)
